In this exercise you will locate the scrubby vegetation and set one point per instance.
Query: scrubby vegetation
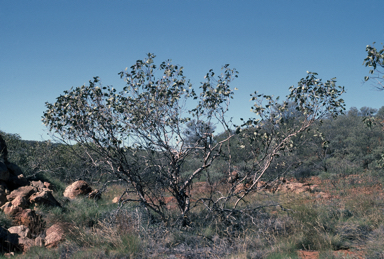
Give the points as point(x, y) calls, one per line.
point(344, 159)
point(302, 176)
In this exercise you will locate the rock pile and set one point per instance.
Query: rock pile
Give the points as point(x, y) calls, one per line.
point(17, 196)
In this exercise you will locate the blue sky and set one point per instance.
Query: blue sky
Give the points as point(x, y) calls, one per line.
point(47, 47)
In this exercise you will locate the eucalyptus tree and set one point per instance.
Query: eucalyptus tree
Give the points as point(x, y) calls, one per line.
point(139, 132)
point(375, 60)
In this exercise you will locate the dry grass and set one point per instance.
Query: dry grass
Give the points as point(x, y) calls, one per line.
point(350, 220)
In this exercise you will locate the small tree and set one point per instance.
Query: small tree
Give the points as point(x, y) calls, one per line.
point(139, 131)
point(375, 60)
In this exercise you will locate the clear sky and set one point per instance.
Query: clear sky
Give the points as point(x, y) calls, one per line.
point(48, 46)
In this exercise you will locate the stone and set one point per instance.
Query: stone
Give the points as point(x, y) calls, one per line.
point(24, 191)
point(21, 230)
point(77, 188)
point(39, 241)
point(95, 194)
point(39, 185)
point(54, 235)
point(9, 209)
point(44, 197)
point(294, 187)
point(240, 187)
point(115, 200)
point(30, 219)
point(20, 201)
point(48, 185)
point(25, 243)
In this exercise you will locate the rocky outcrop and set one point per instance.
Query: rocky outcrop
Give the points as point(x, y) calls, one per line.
point(24, 196)
point(77, 188)
point(17, 195)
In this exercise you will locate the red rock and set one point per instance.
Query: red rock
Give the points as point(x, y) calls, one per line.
point(21, 230)
point(20, 201)
point(26, 243)
point(11, 210)
point(24, 191)
point(48, 185)
point(44, 197)
point(77, 188)
point(30, 219)
point(54, 235)
point(39, 185)
point(95, 194)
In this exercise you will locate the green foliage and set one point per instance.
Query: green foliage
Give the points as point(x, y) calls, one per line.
point(20, 152)
point(375, 60)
